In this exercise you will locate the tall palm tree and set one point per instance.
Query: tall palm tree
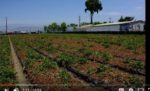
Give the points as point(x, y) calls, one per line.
point(93, 6)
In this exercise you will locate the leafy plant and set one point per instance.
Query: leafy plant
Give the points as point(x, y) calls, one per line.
point(82, 60)
point(7, 75)
point(91, 71)
point(127, 60)
point(106, 57)
point(130, 44)
point(47, 64)
point(106, 44)
point(65, 76)
point(86, 52)
point(50, 49)
point(65, 59)
point(135, 81)
point(102, 68)
point(33, 55)
point(136, 65)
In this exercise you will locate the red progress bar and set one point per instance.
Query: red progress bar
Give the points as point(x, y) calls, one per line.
point(5, 85)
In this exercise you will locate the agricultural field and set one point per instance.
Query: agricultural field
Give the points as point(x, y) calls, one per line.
point(7, 74)
point(80, 60)
point(42, 70)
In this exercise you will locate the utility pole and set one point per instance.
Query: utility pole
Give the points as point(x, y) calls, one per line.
point(6, 25)
point(109, 20)
point(79, 21)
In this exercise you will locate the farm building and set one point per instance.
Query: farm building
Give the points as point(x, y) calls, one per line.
point(118, 26)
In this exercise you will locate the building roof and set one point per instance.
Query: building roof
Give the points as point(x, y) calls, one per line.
point(115, 23)
point(108, 24)
point(139, 21)
point(86, 26)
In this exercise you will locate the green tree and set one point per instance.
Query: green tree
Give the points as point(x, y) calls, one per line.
point(59, 28)
point(45, 28)
point(93, 6)
point(105, 22)
point(74, 26)
point(127, 18)
point(53, 27)
point(63, 27)
point(49, 28)
point(95, 23)
point(121, 19)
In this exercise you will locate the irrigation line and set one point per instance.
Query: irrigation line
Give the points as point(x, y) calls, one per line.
point(92, 82)
point(131, 71)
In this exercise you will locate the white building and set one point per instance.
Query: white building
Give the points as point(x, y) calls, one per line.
point(118, 26)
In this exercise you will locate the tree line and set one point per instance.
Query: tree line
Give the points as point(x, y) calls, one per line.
point(54, 27)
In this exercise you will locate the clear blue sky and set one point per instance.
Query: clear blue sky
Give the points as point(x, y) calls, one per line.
point(43, 12)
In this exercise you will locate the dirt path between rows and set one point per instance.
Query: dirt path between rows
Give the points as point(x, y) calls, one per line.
point(17, 66)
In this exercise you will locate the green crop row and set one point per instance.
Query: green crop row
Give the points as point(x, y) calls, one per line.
point(130, 41)
point(137, 65)
point(96, 55)
point(65, 59)
point(36, 63)
point(7, 74)
point(32, 57)
point(71, 57)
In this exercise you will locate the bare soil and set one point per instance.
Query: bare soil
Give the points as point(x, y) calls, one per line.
point(17, 66)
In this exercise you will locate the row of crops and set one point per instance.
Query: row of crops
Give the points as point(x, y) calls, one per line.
point(127, 61)
point(41, 70)
point(117, 45)
point(82, 59)
point(7, 74)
